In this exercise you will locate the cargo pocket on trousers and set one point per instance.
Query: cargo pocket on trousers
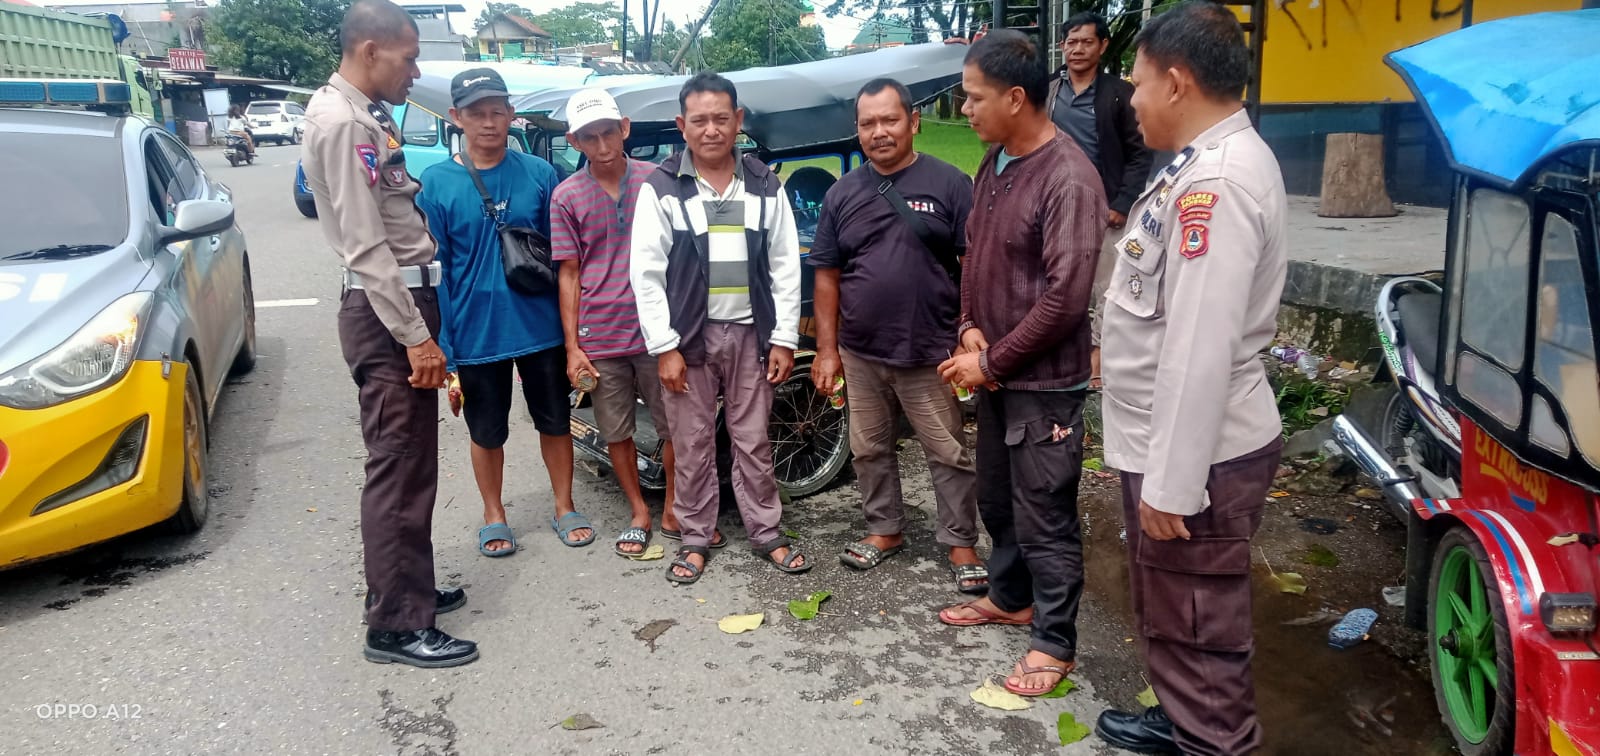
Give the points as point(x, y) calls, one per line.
point(1198, 593)
point(1047, 455)
point(388, 418)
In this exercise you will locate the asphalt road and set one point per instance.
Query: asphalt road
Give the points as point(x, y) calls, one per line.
point(246, 637)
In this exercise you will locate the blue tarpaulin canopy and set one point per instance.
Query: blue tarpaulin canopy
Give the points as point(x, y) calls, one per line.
point(1501, 114)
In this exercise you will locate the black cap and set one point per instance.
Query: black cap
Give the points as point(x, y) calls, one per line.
point(474, 84)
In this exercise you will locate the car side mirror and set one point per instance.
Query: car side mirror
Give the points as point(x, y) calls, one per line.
point(197, 218)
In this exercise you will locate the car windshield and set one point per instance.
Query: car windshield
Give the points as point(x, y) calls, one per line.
point(65, 193)
point(263, 108)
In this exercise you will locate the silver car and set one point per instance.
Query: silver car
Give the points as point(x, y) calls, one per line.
point(125, 303)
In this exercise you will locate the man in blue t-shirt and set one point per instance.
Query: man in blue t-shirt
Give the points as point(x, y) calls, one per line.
point(489, 328)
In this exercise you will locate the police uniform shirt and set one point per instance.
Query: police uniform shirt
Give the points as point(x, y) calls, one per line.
point(1192, 301)
point(365, 199)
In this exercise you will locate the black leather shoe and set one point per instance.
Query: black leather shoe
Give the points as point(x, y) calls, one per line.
point(444, 601)
point(1150, 732)
point(429, 647)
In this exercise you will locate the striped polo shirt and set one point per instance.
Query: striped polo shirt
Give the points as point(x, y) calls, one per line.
point(727, 249)
point(588, 226)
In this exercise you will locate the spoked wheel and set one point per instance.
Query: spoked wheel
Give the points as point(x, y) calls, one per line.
point(810, 439)
point(1473, 678)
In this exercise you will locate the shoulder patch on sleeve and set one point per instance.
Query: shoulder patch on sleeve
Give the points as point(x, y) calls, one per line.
point(1194, 200)
point(1196, 240)
point(367, 154)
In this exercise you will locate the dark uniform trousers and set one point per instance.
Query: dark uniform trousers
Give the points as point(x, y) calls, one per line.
point(1030, 459)
point(1192, 607)
point(400, 425)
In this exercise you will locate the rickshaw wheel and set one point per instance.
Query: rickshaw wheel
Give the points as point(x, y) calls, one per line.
point(810, 439)
point(1470, 646)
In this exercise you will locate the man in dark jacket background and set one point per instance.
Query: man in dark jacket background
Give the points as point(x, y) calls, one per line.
point(1093, 108)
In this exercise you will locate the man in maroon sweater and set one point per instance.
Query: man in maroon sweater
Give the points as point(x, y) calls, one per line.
point(1038, 218)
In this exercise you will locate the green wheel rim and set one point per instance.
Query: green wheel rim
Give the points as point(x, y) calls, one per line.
point(1464, 651)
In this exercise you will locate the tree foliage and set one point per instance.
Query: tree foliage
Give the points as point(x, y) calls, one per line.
point(290, 40)
point(761, 33)
point(494, 9)
point(582, 23)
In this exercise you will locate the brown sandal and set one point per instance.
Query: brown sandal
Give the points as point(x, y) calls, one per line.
point(985, 617)
point(1022, 663)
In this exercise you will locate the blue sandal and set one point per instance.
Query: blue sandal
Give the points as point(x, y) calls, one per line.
point(569, 522)
point(497, 531)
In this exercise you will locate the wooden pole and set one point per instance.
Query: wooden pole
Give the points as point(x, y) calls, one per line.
point(694, 34)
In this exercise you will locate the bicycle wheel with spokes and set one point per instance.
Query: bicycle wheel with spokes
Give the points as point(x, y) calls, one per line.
point(810, 439)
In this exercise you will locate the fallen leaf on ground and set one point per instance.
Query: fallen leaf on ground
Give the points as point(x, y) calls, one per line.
point(1370, 494)
point(734, 624)
point(1289, 582)
point(791, 534)
point(996, 697)
point(1318, 412)
point(311, 509)
point(580, 722)
point(1069, 729)
point(1061, 689)
point(655, 551)
point(1278, 494)
point(1565, 539)
point(1093, 463)
point(858, 702)
point(1320, 556)
point(649, 633)
point(700, 601)
point(808, 607)
point(1147, 697)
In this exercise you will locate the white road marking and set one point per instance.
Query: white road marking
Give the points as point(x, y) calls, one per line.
point(287, 303)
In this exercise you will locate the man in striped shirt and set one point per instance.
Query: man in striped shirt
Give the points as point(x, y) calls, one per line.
point(591, 214)
point(716, 274)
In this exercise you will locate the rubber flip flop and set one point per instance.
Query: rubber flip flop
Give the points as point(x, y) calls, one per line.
point(632, 535)
point(1027, 670)
point(677, 535)
point(985, 617)
point(864, 556)
point(496, 531)
point(569, 522)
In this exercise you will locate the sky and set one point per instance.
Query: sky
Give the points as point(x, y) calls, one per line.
point(839, 31)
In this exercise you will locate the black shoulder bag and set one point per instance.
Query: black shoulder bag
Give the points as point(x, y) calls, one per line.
point(941, 252)
point(524, 251)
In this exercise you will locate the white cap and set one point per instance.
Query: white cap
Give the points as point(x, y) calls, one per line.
point(589, 106)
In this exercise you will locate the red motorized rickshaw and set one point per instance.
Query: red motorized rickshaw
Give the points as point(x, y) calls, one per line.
point(1503, 564)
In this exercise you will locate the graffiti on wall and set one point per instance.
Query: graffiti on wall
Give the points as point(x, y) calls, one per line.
point(1438, 10)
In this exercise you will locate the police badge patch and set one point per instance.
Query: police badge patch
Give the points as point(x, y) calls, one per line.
point(1133, 249)
point(393, 144)
point(368, 155)
point(1196, 239)
point(395, 175)
point(1136, 286)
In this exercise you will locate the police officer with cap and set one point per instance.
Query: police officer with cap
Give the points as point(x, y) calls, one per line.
point(388, 318)
point(1189, 416)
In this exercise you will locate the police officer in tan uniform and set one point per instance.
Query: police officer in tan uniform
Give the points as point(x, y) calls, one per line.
point(388, 317)
point(1190, 418)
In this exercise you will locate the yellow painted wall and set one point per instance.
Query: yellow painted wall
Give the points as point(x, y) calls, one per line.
point(1332, 50)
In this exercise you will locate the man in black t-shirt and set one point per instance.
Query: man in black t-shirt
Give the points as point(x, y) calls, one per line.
point(887, 253)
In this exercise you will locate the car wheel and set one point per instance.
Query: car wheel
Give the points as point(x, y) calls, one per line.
point(295, 138)
point(1470, 642)
point(308, 208)
point(245, 361)
point(196, 504)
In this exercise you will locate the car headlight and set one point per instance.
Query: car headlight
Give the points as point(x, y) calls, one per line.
point(97, 355)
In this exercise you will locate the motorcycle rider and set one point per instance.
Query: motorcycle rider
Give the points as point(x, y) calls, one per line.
point(238, 126)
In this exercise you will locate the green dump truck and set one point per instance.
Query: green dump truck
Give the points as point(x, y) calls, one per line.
point(38, 43)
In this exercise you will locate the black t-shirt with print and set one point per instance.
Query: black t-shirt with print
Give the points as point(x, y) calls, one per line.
point(897, 305)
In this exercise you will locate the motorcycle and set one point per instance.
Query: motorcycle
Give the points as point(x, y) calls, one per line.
point(237, 151)
point(1419, 433)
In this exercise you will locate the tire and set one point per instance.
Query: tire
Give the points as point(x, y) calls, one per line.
point(810, 439)
point(294, 136)
point(245, 360)
point(196, 504)
point(1462, 585)
point(233, 161)
point(307, 208)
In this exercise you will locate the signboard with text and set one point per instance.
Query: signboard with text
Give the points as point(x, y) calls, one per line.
point(185, 59)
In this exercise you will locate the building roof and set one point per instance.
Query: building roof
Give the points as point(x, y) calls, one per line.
point(883, 32)
point(524, 24)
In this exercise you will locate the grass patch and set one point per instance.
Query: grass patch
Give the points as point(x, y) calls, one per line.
point(954, 143)
point(1303, 403)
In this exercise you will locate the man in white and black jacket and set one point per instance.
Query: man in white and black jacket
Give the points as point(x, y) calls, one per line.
point(716, 273)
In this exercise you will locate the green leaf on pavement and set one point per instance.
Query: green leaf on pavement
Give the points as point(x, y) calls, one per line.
point(1069, 729)
point(1061, 689)
point(1289, 582)
point(1147, 697)
point(580, 722)
point(791, 534)
point(1093, 463)
point(1320, 556)
point(807, 608)
point(996, 697)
